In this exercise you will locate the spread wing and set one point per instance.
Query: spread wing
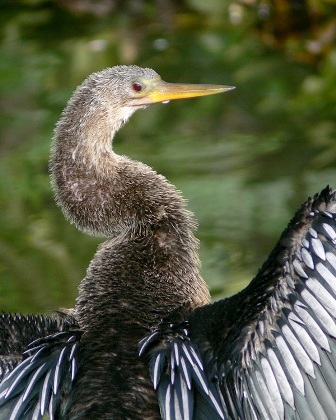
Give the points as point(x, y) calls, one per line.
point(17, 331)
point(41, 382)
point(178, 374)
point(278, 360)
point(268, 352)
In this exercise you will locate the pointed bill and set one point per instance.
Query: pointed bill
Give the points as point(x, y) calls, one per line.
point(163, 91)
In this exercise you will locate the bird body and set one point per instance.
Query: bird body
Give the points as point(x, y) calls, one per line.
point(143, 341)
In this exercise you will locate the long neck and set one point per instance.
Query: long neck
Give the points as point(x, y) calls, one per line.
point(149, 265)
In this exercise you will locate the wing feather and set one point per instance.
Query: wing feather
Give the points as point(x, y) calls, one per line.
point(286, 348)
point(177, 372)
point(39, 383)
point(17, 331)
point(268, 352)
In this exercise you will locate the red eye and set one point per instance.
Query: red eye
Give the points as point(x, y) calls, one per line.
point(137, 87)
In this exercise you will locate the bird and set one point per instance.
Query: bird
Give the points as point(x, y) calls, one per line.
point(144, 340)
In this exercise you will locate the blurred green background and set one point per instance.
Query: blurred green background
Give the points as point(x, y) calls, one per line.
point(244, 160)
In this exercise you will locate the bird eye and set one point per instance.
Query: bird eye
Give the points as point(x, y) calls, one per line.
point(137, 87)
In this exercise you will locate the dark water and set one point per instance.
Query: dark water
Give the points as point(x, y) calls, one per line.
point(245, 160)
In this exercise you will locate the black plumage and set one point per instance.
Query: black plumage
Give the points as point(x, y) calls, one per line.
point(143, 340)
point(18, 331)
point(270, 350)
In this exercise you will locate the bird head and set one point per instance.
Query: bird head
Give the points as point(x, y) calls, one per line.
point(133, 87)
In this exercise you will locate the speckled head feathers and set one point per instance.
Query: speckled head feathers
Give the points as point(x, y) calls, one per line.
point(117, 83)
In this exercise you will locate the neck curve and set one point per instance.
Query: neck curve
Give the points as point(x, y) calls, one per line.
point(151, 243)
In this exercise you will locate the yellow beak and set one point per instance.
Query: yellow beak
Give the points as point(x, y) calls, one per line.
point(163, 91)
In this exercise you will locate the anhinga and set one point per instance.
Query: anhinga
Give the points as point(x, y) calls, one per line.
point(143, 341)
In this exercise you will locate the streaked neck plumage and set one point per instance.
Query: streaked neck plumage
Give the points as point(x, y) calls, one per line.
point(150, 232)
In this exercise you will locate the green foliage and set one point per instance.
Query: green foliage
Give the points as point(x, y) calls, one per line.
point(244, 160)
